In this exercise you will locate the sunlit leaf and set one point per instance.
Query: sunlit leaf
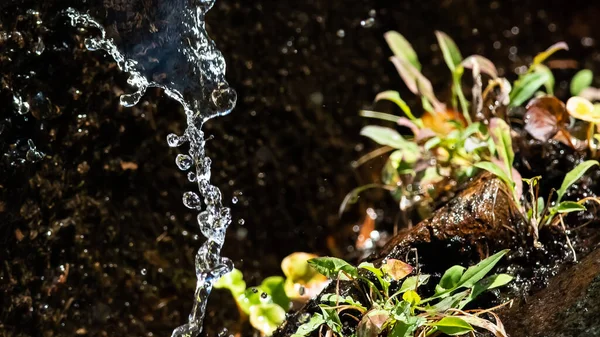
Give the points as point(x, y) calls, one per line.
point(274, 287)
point(402, 48)
point(453, 326)
point(541, 57)
point(332, 266)
point(569, 206)
point(402, 329)
point(582, 80)
point(573, 176)
point(295, 266)
point(449, 302)
point(411, 297)
point(233, 281)
point(266, 317)
point(396, 269)
point(394, 96)
point(371, 325)
point(526, 86)
point(582, 109)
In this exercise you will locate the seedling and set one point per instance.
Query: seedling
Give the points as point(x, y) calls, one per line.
point(403, 312)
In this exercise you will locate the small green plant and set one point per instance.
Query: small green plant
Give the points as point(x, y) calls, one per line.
point(444, 144)
point(392, 305)
point(267, 304)
point(541, 213)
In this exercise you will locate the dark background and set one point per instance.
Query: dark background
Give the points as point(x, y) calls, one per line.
point(284, 152)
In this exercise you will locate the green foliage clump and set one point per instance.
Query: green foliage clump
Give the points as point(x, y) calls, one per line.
point(393, 305)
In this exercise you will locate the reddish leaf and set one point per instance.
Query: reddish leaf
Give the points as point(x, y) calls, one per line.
point(544, 117)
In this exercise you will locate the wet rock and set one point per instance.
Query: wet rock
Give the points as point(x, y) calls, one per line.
point(568, 307)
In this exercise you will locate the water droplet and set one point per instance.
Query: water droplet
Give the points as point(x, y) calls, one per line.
point(191, 176)
point(340, 33)
point(144, 271)
point(129, 100)
point(21, 107)
point(191, 200)
point(183, 161)
point(241, 222)
point(224, 99)
point(234, 200)
point(174, 140)
point(33, 155)
point(39, 46)
point(368, 23)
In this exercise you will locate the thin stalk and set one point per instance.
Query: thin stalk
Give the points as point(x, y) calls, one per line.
point(379, 115)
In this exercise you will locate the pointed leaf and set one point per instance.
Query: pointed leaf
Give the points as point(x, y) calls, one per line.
point(307, 328)
point(573, 176)
point(449, 49)
point(526, 86)
point(569, 206)
point(496, 170)
point(394, 96)
point(402, 48)
point(396, 269)
point(450, 278)
point(475, 273)
point(541, 57)
point(453, 326)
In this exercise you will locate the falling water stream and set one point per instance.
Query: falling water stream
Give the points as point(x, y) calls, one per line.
point(204, 93)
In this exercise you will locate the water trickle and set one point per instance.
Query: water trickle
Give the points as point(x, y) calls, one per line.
point(198, 83)
point(21, 107)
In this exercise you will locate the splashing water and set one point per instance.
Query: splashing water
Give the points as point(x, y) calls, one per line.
point(206, 96)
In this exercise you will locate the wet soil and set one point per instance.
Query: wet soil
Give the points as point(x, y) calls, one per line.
point(94, 237)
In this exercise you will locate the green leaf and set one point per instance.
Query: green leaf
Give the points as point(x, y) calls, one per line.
point(526, 86)
point(450, 51)
point(496, 170)
point(417, 83)
point(453, 326)
point(449, 302)
point(500, 132)
point(332, 266)
point(569, 206)
point(332, 319)
point(573, 176)
point(402, 48)
point(411, 283)
point(251, 297)
point(402, 329)
point(394, 96)
point(386, 136)
point(541, 57)
point(233, 281)
point(582, 80)
point(431, 143)
point(488, 283)
point(412, 297)
point(450, 278)
point(313, 324)
point(385, 284)
point(266, 317)
point(475, 273)
point(332, 299)
point(274, 286)
point(549, 84)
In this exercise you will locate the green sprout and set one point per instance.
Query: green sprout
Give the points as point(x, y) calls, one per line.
point(391, 303)
point(266, 305)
